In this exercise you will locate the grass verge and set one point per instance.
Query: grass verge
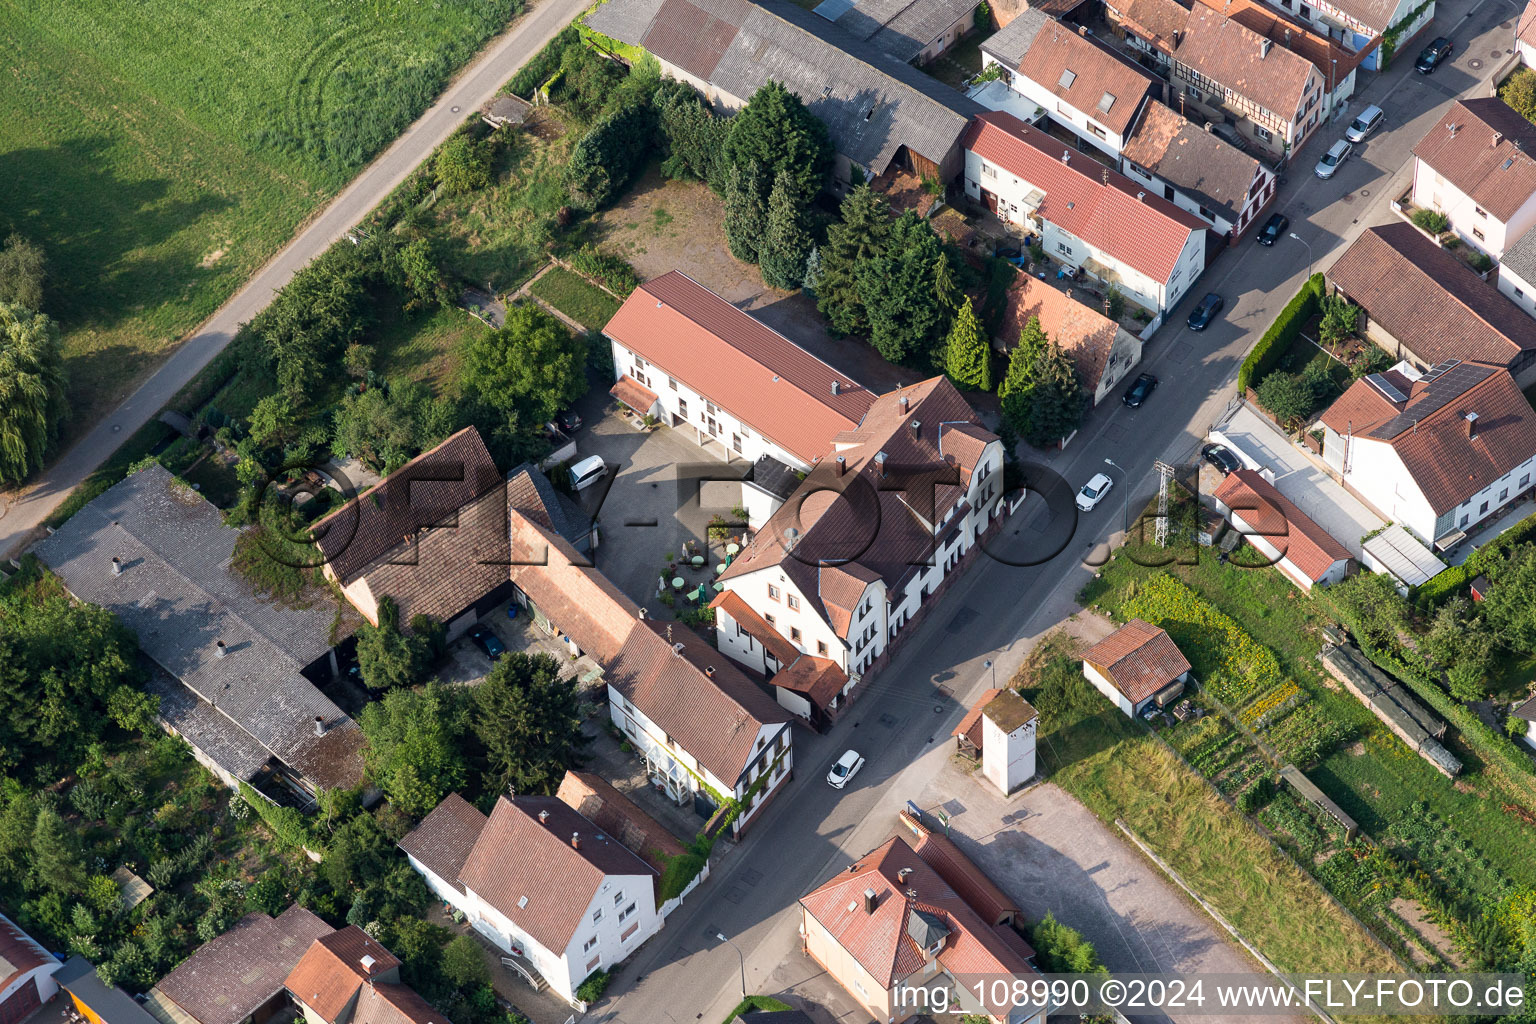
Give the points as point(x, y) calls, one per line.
point(576, 297)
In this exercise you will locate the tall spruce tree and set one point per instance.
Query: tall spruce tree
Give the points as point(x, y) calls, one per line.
point(907, 321)
point(746, 214)
point(787, 242)
point(776, 133)
point(860, 235)
point(967, 356)
point(1042, 397)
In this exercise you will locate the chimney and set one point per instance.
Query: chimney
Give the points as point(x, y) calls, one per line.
point(219, 650)
point(543, 817)
point(1471, 418)
point(903, 403)
point(901, 876)
point(1264, 45)
point(842, 464)
point(117, 566)
point(1105, 176)
point(319, 725)
point(880, 462)
point(642, 611)
point(575, 840)
point(871, 901)
point(1497, 136)
point(709, 670)
point(1141, 197)
point(368, 963)
point(1066, 157)
point(836, 387)
point(917, 430)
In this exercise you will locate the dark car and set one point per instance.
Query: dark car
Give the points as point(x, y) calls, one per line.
point(1272, 229)
point(1220, 456)
point(1140, 391)
point(1433, 55)
point(488, 642)
point(1201, 316)
point(568, 421)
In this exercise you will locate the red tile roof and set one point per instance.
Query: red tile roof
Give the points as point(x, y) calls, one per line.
point(1229, 52)
point(1287, 528)
point(742, 365)
point(529, 871)
point(1332, 60)
point(1429, 300)
point(386, 1003)
point(1485, 149)
point(970, 726)
point(594, 799)
point(1083, 333)
point(1138, 658)
point(1084, 197)
point(756, 626)
point(445, 836)
point(880, 942)
point(20, 952)
point(980, 893)
point(1155, 21)
point(1094, 72)
point(634, 394)
point(1525, 27)
point(573, 595)
point(819, 680)
point(332, 970)
point(1447, 462)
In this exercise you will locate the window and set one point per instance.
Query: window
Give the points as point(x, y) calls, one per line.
point(639, 363)
point(682, 407)
point(1464, 521)
point(736, 443)
point(1480, 211)
point(626, 913)
point(770, 619)
point(1482, 509)
point(859, 988)
point(773, 592)
point(987, 170)
point(597, 915)
point(1477, 233)
point(1064, 249)
point(794, 631)
point(672, 383)
point(618, 897)
point(794, 603)
point(1097, 130)
point(821, 648)
point(592, 964)
point(642, 378)
point(1503, 495)
point(1519, 294)
point(1194, 94)
point(1524, 481)
point(586, 947)
point(1264, 134)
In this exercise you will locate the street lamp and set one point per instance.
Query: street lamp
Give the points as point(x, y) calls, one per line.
point(1303, 241)
point(988, 664)
point(740, 958)
point(1125, 508)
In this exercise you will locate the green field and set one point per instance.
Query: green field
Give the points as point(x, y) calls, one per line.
point(576, 297)
point(161, 151)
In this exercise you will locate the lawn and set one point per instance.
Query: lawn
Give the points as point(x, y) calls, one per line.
point(166, 150)
point(577, 298)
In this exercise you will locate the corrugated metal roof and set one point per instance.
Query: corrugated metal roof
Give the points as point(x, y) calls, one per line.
point(1404, 557)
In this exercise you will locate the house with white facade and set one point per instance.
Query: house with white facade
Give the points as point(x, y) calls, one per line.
point(1171, 156)
point(1295, 544)
point(1525, 34)
point(1088, 216)
point(687, 356)
point(1134, 664)
point(1438, 453)
point(1102, 352)
point(1516, 279)
point(1477, 166)
point(557, 895)
point(1080, 83)
point(871, 536)
point(1527, 713)
point(1361, 25)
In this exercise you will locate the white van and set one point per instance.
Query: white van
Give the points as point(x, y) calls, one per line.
point(588, 472)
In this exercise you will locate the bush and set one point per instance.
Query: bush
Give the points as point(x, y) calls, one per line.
point(608, 156)
point(1272, 346)
point(286, 824)
point(1481, 261)
point(1252, 799)
point(1444, 585)
point(1432, 221)
point(613, 273)
point(544, 63)
point(591, 990)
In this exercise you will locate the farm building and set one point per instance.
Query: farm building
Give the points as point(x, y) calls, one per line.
point(1302, 550)
point(1389, 702)
point(1137, 665)
point(26, 974)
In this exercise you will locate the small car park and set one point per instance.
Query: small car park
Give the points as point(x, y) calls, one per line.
point(1336, 155)
point(588, 472)
point(844, 769)
point(1433, 55)
point(1273, 228)
point(1220, 456)
point(1201, 316)
point(1140, 391)
point(1368, 121)
point(1093, 492)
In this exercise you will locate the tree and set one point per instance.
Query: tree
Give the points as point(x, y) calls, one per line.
point(529, 720)
point(1042, 398)
point(387, 656)
point(1114, 304)
point(462, 165)
point(1519, 91)
point(1287, 396)
point(390, 423)
point(57, 861)
point(1510, 607)
point(31, 391)
point(776, 133)
point(23, 269)
point(413, 746)
point(421, 279)
point(357, 360)
point(273, 421)
point(1460, 644)
point(967, 356)
point(787, 243)
point(906, 317)
point(530, 369)
point(859, 236)
point(607, 157)
point(1341, 319)
point(312, 320)
point(1371, 607)
point(690, 134)
point(463, 964)
point(746, 212)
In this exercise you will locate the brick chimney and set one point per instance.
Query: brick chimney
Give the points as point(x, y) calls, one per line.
point(1471, 419)
point(117, 566)
point(842, 465)
point(575, 840)
point(543, 817)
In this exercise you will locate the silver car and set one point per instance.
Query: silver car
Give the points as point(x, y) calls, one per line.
point(1336, 155)
point(1369, 120)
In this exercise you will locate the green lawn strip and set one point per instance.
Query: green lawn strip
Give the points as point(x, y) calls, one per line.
point(576, 297)
point(757, 1003)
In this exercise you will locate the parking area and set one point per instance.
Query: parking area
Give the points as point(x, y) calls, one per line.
point(467, 661)
point(1299, 477)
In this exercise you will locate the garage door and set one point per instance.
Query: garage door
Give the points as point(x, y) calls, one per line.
point(21, 1005)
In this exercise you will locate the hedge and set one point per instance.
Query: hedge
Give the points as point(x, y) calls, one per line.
point(544, 63)
point(1453, 580)
point(286, 823)
point(1281, 333)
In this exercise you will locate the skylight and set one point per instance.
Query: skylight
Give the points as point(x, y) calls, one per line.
point(1068, 76)
point(1106, 102)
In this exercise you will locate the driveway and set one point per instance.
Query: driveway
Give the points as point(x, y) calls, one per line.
point(25, 511)
point(1300, 478)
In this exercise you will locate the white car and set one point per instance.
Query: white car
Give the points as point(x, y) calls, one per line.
point(1093, 492)
point(1336, 155)
point(588, 472)
point(846, 768)
point(1369, 120)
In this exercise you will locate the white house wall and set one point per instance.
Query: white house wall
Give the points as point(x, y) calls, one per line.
point(1481, 230)
point(1517, 289)
point(1097, 134)
point(1101, 683)
point(1007, 759)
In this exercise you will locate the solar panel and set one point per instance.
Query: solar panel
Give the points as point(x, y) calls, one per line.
point(1385, 388)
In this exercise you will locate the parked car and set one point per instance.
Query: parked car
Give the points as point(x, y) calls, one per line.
point(1140, 391)
point(1336, 155)
point(488, 642)
point(588, 472)
point(1273, 228)
point(1369, 120)
point(1093, 492)
point(846, 768)
point(1220, 456)
point(568, 421)
point(1433, 55)
point(1201, 316)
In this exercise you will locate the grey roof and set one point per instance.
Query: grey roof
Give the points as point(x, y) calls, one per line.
point(1410, 562)
point(113, 1005)
point(1011, 42)
point(200, 724)
point(234, 974)
point(1521, 257)
point(1527, 710)
point(926, 929)
point(774, 1017)
point(1219, 176)
point(901, 28)
point(178, 592)
point(871, 102)
point(566, 517)
point(775, 477)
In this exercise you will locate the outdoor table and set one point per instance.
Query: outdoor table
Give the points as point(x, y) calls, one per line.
point(698, 561)
point(732, 549)
point(677, 583)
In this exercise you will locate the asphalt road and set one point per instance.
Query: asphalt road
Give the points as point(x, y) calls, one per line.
point(25, 511)
point(811, 831)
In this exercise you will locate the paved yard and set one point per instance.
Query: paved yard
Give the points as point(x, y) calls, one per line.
point(1301, 479)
